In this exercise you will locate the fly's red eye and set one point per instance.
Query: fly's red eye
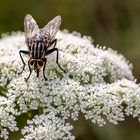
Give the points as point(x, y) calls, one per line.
point(40, 63)
point(31, 62)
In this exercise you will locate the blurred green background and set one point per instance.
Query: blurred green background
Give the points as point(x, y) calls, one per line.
point(111, 23)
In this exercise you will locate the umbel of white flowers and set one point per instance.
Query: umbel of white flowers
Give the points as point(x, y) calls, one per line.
point(98, 83)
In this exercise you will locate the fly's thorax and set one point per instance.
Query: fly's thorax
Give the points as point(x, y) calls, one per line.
point(38, 49)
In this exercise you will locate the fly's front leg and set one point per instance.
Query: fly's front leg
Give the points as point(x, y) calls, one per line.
point(52, 50)
point(24, 52)
point(45, 60)
point(29, 70)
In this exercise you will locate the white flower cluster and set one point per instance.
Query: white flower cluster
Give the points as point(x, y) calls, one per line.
point(98, 82)
point(7, 117)
point(47, 127)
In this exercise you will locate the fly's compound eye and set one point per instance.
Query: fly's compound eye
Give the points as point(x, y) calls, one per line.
point(31, 62)
point(40, 63)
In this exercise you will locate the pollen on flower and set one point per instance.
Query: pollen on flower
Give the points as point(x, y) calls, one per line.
point(98, 83)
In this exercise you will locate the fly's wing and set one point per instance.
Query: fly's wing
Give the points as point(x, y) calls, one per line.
point(30, 27)
point(50, 30)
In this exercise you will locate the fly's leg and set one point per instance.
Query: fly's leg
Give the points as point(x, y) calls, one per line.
point(24, 52)
point(51, 51)
point(37, 73)
point(53, 43)
point(45, 60)
point(30, 71)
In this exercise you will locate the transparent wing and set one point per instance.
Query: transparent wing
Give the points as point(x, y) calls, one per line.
point(30, 27)
point(51, 28)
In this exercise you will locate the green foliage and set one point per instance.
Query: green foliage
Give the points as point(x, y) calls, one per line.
point(3, 91)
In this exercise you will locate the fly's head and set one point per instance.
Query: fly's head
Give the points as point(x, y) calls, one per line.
point(37, 64)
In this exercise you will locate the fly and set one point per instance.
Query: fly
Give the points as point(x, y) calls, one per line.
point(39, 42)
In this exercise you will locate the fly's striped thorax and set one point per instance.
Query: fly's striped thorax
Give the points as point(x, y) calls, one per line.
point(37, 50)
